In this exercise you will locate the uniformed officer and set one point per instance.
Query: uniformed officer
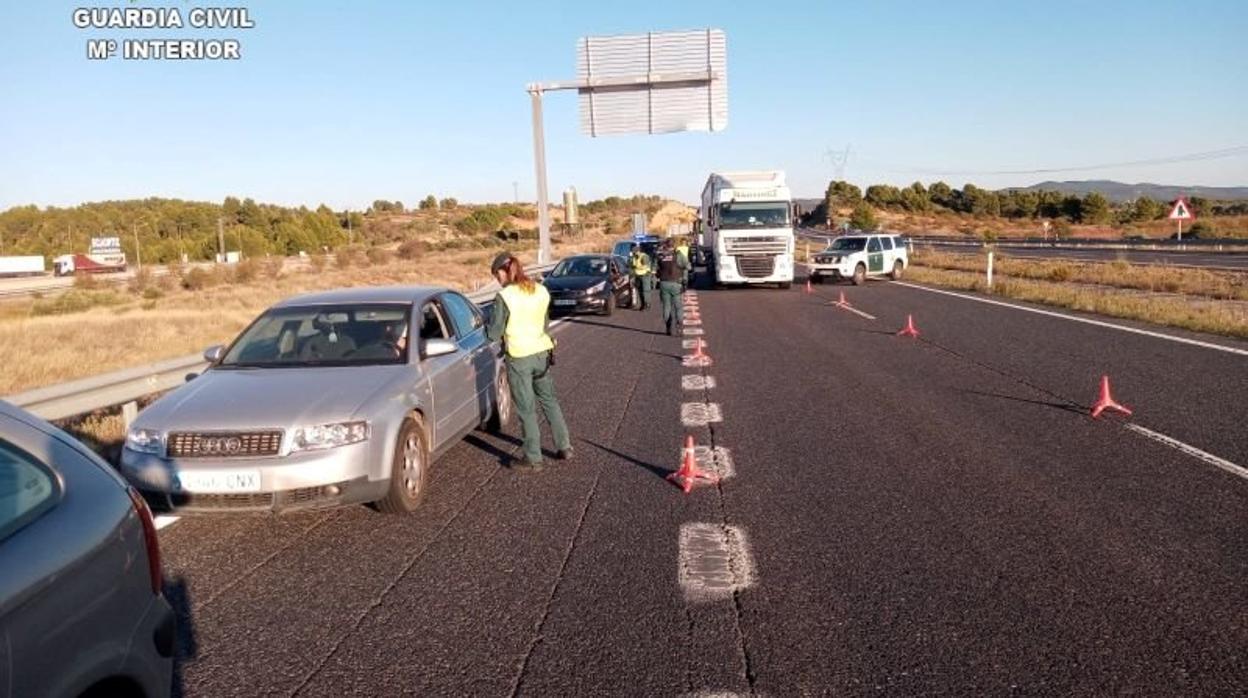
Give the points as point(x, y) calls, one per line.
point(672, 266)
point(642, 276)
point(520, 314)
point(682, 249)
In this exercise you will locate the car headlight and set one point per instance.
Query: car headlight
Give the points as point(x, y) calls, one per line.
point(597, 288)
point(145, 441)
point(329, 435)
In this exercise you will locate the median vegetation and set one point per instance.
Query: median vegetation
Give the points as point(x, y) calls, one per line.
point(1191, 299)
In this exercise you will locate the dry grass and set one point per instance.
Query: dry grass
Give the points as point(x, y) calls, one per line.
point(1229, 318)
point(1119, 274)
point(47, 344)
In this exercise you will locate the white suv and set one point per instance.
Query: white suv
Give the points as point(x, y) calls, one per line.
point(856, 257)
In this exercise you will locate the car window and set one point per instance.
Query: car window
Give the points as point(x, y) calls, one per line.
point(463, 313)
point(623, 249)
point(432, 325)
point(901, 242)
point(318, 335)
point(27, 489)
point(873, 245)
point(887, 242)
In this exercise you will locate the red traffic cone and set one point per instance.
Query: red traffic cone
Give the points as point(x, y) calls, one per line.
point(909, 330)
point(689, 470)
point(1106, 402)
point(841, 301)
point(808, 290)
point(697, 351)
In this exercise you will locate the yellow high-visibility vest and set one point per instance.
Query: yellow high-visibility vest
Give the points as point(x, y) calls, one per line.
point(641, 264)
point(684, 250)
point(525, 334)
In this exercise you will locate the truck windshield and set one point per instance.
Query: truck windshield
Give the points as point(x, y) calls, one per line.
point(848, 245)
point(754, 214)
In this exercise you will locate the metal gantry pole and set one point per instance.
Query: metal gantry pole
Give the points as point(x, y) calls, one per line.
point(539, 161)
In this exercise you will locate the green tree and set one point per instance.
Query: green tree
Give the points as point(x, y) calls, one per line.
point(449, 203)
point(941, 194)
point(1146, 209)
point(841, 195)
point(883, 195)
point(863, 217)
point(429, 203)
point(1094, 209)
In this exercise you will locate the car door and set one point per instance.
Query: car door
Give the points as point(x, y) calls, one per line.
point(619, 279)
point(450, 375)
point(890, 254)
point(470, 335)
point(875, 255)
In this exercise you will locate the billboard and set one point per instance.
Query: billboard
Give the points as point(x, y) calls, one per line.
point(110, 245)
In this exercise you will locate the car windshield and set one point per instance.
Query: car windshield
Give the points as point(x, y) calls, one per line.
point(323, 335)
point(848, 245)
point(754, 214)
point(581, 266)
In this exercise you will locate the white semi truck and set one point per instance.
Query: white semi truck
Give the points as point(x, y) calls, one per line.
point(26, 265)
point(746, 221)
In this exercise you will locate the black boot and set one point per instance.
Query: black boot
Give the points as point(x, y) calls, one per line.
point(669, 327)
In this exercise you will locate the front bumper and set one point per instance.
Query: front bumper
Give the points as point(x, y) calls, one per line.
point(310, 480)
point(834, 270)
point(566, 304)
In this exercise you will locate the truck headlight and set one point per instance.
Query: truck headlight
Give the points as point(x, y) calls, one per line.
point(145, 441)
point(329, 435)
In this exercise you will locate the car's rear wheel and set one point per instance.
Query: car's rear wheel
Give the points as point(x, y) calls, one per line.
point(408, 470)
point(609, 306)
point(502, 403)
point(898, 268)
point(860, 274)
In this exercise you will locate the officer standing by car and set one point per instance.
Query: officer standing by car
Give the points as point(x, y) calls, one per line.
point(642, 276)
point(519, 318)
point(672, 266)
point(682, 249)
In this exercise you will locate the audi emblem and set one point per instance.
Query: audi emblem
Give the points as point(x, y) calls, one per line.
point(225, 445)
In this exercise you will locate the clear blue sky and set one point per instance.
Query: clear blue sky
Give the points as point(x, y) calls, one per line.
point(346, 102)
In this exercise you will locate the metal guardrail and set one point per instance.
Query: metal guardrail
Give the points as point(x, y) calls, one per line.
point(1228, 245)
point(127, 386)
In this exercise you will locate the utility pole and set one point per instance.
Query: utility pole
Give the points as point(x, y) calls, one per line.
point(220, 241)
point(138, 251)
point(350, 232)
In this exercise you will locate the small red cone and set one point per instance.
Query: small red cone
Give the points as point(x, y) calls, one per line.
point(842, 302)
point(808, 290)
point(909, 330)
point(697, 351)
point(1106, 402)
point(689, 470)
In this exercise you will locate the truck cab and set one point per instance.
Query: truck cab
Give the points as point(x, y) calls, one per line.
point(747, 228)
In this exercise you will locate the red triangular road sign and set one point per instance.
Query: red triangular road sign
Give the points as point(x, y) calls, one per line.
point(1182, 210)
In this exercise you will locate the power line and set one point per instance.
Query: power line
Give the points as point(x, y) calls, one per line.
point(1232, 151)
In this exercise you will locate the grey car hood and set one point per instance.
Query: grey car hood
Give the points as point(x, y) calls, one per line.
point(271, 397)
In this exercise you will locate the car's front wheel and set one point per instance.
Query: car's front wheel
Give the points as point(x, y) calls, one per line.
point(408, 469)
point(609, 306)
point(898, 269)
point(860, 274)
point(502, 404)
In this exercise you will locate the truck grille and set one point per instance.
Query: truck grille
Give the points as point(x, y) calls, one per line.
point(758, 244)
point(249, 444)
point(756, 267)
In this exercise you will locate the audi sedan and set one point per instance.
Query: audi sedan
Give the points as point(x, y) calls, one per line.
point(325, 400)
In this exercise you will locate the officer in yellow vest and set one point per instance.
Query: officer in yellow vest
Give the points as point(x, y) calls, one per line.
point(642, 275)
point(682, 249)
point(521, 311)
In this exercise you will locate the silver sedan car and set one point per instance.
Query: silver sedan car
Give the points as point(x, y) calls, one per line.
point(325, 400)
point(81, 608)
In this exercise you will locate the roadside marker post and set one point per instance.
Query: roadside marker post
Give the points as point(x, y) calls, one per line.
point(990, 270)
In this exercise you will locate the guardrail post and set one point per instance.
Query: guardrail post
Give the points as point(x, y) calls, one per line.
point(990, 270)
point(129, 412)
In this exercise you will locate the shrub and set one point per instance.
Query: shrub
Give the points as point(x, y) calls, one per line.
point(347, 257)
point(246, 271)
point(152, 293)
point(412, 249)
point(141, 280)
point(86, 282)
point(378, 255)
point(1061, 272)
point(318, 262)
point(198, 279)
point(75, 301)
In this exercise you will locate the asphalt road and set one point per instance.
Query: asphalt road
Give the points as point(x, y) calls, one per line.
point(906, 516)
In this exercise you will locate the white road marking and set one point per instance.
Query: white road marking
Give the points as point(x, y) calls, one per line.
point(695, 361)
point(717, 461)
point(164, 520)
point(1074, 318)
point(852, 309)
point(697, 381)
point(693, 321)
point(691, 343)
point(693, 331)
point(699, 414)
point(714, 562)
point(1190, 450)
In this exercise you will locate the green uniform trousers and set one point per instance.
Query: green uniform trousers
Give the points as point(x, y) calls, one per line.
point(643, 285)
point(531, 385)
point(669, 295)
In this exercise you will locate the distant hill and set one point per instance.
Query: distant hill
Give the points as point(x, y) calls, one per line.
point(1119, 192)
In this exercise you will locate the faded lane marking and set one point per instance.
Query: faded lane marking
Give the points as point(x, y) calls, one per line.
point(1075, 318)
point(717, 461)
point(695, 361)
point(1190, 450)
point(692, 343)
point(697, 381)
point(693, 331)
point(164, 520)
point(699, 414)
point(714, 562)
point(852, 309)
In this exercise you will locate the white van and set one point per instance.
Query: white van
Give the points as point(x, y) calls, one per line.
point(856, 257)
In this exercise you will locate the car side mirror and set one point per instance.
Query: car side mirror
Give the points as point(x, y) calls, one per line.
point(190, 377)
point(214, 353)
point(439, 347)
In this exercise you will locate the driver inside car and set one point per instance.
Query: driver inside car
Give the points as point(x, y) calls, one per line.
point(328, 343)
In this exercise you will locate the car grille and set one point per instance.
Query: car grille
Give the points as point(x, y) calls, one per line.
point(758, 244)
point(302, 497)
point(245, 444)
point(755, 267)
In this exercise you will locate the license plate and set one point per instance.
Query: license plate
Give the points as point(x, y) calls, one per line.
point(565, 302)
point(210, 481)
